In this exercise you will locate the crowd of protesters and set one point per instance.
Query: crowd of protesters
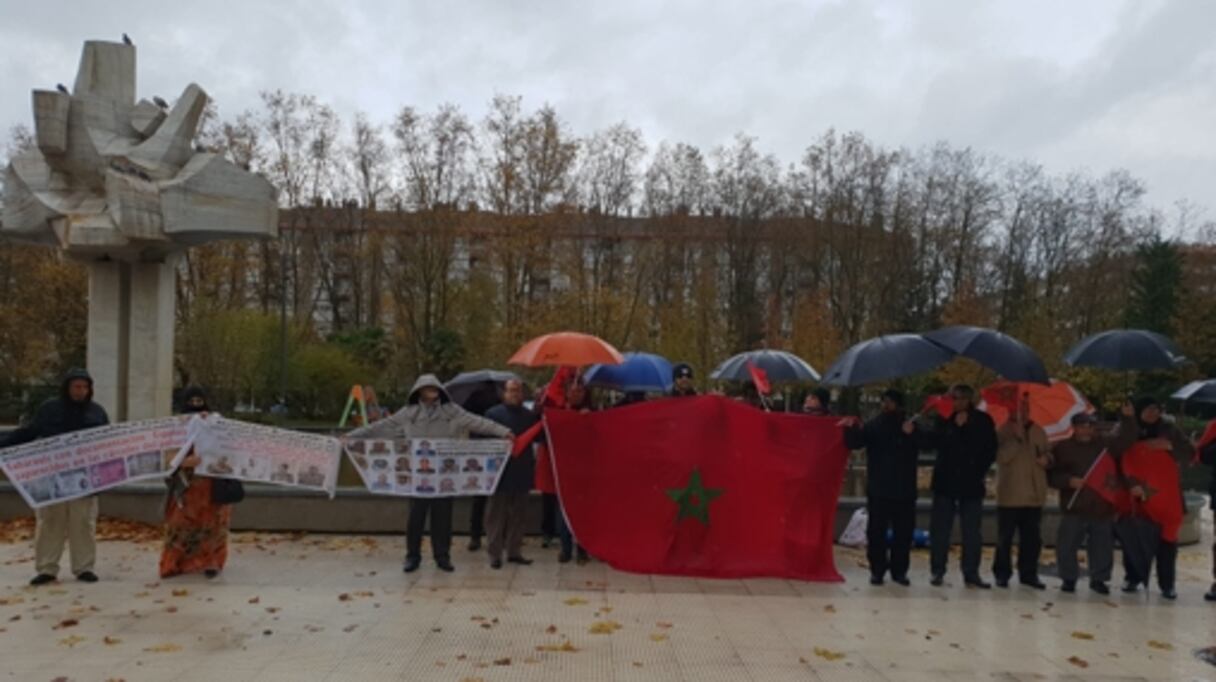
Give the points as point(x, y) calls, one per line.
point(967, 444)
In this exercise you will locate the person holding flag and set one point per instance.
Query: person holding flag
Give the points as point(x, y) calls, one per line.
point(1088, 480)
point(1148, 448)
point(966, 447)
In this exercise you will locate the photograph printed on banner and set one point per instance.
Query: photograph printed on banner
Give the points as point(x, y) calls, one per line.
point(41, 489)
point(73, 482)
point(144, 464)
point(254, 468)
point(108, 473)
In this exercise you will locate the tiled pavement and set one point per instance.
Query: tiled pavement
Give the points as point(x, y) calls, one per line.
point(338, 607)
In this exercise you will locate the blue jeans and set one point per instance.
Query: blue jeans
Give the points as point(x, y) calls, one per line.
point(563, 532)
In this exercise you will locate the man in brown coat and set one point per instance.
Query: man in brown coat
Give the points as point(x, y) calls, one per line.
point(1022, 458)
point(1084, 515)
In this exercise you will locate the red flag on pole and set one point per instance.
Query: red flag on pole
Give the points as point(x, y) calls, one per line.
point(1157, 473)
point(678, 488)
point(759, 378)
point(1103, 479)
point(941, 404)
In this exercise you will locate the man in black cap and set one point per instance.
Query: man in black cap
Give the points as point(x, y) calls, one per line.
point(891, 458)
point(1084, 514)
point(682, 387)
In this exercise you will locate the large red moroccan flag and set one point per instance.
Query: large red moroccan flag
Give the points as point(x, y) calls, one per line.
point(1156, 472)
point(701, 486)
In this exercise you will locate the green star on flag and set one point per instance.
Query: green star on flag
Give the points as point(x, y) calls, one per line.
point(693, 499)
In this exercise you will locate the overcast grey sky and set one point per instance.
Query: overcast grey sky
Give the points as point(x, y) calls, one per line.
point(1093, 84)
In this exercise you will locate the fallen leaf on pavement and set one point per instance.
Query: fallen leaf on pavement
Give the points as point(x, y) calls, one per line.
point(166, 648)
point(254, 600)
point(565, 646)
point(829, 609)
point(1081, 635)
point(658, 637)
point(1163, 646)
point(1079, 662)
point(67, 623)
point(502, 661)
point(181, 593)
point(575, 601)
point(827, 654)
point(552, 630)
point(71, 641)
point(604, 627)
point(111, 641)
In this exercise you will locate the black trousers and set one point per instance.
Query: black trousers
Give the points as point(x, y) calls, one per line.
point(1026, 522)
point(548, 519)
point(440, 511)
point(477, 524)
point(900, 517)
point(941, 526)
point(1167, 566)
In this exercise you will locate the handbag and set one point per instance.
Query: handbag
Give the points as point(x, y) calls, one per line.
point(226, 491)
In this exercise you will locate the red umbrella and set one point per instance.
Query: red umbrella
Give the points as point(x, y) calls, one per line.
point(1051, 407)
point(566, 349)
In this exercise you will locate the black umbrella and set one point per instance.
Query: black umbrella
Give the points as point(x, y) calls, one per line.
point(884, 358)
point(1126, 349)
point(998, 352)
point(1197, 391)
point(477, 387)
point(1139, 537)
point(780, 366)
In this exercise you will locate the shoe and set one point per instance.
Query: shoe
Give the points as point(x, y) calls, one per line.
point(445, 565)
point(519, 560)
point(474, 544)
point(1131, 587)
point(42, 579)
point(1035, 583)
point(876, 580)
point(87, 577)
point(902, 580)
point(1002, 583)
point(1070, 586)
point(1210, 595)
point(546, 542)
point(1169, 593)
point(937, 580)
point(496, 564)
point(412, 565)
point(564, 558)
point(583, 557)
point(211, 572)
point(1099, 587)
point(977, 583)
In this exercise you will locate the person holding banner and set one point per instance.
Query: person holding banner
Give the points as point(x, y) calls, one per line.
point(506, 511)
point(430, 413)
point(1148, 449)
point(1085, 474)
point(1207, 455)
point(196, 524)
point(74, 521)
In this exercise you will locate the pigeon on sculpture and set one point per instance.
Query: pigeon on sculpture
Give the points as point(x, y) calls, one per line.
point(126, 39)
point(158, 101)
point(62, 88)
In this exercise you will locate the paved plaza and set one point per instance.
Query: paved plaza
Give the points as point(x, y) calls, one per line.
point(329, 607)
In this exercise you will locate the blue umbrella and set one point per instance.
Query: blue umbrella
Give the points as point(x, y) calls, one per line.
point(885, 358)
point(778, 365)
point(1126, 349)
point(640, 373)
point(998, 352)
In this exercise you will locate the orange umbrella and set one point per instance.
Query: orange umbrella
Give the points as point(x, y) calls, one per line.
point(1051, 407)
point(566, 349)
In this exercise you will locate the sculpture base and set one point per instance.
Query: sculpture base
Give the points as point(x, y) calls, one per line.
point(130, 342)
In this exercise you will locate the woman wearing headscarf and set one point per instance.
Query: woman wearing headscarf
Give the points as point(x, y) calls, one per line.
point(1143, 422)
point(196, 527)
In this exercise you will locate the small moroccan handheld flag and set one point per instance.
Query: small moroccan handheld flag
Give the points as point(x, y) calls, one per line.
point(1103, 479)
point(759, 378)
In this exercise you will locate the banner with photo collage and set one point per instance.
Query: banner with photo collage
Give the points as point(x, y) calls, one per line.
point(262, 454)
point(84, 463)
point(429, 467)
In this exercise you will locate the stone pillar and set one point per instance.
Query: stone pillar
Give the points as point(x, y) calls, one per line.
point(150, 339)
point(130, 341)
point(107, 338)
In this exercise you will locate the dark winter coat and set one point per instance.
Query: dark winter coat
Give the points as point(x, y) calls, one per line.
point(520, 471)
point(964, 455)
point(61, 415)
point(891, 456)
point(1208, 456)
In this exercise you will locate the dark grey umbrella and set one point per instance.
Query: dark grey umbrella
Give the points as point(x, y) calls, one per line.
point(780, 366)
point(1126, 349)
point(995, 350)
point(1197, 391)
point(885, 358)
point(481, 384)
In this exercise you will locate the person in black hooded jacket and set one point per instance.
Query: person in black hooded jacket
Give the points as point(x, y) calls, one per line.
point(73, 522)
point(891, 458)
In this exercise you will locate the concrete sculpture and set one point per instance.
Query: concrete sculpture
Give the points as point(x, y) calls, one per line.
point(118, 184)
